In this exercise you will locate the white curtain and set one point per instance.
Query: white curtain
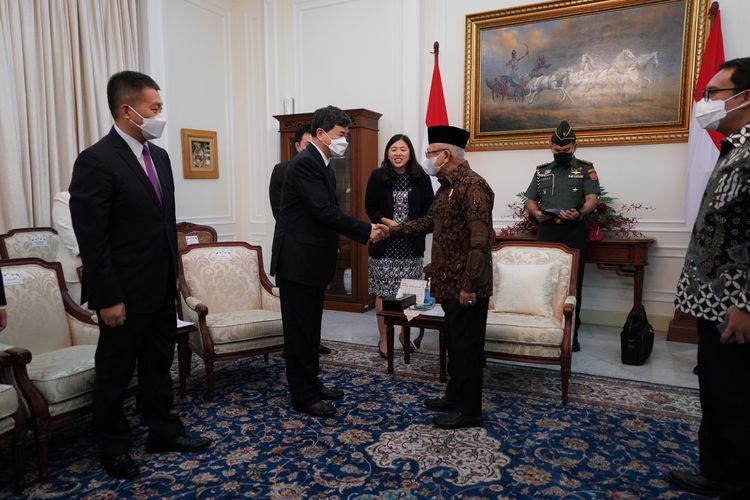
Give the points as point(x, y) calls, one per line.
point(55, 59)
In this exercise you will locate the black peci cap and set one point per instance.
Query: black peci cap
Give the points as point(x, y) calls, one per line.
point(448, 135)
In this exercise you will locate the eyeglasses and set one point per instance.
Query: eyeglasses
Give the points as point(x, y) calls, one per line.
point(437, 151)
point(706, 94)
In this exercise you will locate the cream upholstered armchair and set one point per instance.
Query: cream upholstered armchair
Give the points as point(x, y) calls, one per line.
point(39, 242)
point(52, 341)
point(228, 295)
point(532, 308)
point(12, 417)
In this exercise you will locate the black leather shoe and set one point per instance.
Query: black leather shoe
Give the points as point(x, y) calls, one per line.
point(456, 420)
point(323, 349)
point(439, 404)
point(695, 483)
point(326, 393)
point(120, 466)
point(576, 345)
point(184, 444)
point(316, 409)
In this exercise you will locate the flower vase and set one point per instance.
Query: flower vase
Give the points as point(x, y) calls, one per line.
point(595, 232)
point(348, 280)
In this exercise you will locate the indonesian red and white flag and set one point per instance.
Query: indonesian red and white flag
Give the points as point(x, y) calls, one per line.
point(703, 145)
point(436, 112)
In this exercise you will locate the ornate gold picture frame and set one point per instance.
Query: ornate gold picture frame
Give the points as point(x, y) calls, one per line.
point(200, 154)
point(620, 71)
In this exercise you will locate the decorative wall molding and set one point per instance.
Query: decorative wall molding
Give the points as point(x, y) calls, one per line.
point(258, 178)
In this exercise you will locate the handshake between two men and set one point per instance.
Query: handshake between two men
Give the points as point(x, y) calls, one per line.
point(382, 230)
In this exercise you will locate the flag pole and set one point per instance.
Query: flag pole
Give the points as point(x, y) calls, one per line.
point(711, 13)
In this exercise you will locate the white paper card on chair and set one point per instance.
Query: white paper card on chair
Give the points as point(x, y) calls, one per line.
point(181, 323)
point(191, 239)
point(39, 241)
point(416, 287)
point(223, 254)
point(11, 278)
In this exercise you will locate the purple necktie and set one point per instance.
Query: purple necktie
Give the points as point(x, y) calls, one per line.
point(150, 171)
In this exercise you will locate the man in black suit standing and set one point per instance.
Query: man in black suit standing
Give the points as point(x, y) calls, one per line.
point(305, 247)
point(3, 303)
point(302, 137)
point(123, 210)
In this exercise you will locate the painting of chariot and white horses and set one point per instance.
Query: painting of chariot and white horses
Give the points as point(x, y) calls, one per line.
point(621, 71)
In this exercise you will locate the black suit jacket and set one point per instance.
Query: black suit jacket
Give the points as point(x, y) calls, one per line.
point(274, 187)
point(2, 290)
point(379, 204)
point(127, 239)
point(305, 242)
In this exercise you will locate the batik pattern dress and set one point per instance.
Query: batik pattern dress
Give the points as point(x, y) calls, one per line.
point(401, 258)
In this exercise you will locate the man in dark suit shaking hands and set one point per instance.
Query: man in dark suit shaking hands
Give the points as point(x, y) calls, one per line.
point(305, 246)
point(123, 210)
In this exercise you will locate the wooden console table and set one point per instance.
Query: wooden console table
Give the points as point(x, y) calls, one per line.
point(625, 256)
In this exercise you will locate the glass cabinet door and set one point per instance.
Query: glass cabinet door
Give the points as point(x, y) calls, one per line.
point(342, 278)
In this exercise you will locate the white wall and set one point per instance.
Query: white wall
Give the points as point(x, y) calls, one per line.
point(208, 58)
point(230, 66)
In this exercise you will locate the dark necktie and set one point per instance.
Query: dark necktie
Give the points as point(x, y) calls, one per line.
point(151, 172)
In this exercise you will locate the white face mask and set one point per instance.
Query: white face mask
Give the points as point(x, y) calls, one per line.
point(430, 167)
point(708, 114)
point(151, 128)
point(338, 146)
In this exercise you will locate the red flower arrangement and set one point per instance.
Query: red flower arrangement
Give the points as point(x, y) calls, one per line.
point(604, 220)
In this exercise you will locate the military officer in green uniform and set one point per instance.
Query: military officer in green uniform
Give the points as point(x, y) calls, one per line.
point(560, 195)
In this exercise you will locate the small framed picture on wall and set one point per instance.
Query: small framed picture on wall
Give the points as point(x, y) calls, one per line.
point(200, 155)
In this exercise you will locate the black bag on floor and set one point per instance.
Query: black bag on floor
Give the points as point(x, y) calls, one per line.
point(636, 338)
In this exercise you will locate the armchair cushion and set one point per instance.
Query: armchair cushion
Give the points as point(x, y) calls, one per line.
point(244, 325)
point(524, 329)
point(8, 401)
point(63, 374)
point(526, 288)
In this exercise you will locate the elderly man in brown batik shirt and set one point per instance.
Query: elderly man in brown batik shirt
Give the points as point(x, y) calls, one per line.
point(460, 219)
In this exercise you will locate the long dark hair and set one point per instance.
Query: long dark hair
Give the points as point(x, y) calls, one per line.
point(412, 166)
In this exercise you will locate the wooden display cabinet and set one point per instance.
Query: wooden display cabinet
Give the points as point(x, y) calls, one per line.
point(348, 290)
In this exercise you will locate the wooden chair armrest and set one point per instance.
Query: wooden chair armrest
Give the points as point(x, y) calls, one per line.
point(76, 310)
point(33, 399)
point(19, 355)
point(6, 360)
point(196, 305)
point(569, 306)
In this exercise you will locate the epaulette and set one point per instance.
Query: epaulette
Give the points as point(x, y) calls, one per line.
point(541, 166)
point(585, 162)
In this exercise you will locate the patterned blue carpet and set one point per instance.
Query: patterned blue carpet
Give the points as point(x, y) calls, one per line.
point(615, 439)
